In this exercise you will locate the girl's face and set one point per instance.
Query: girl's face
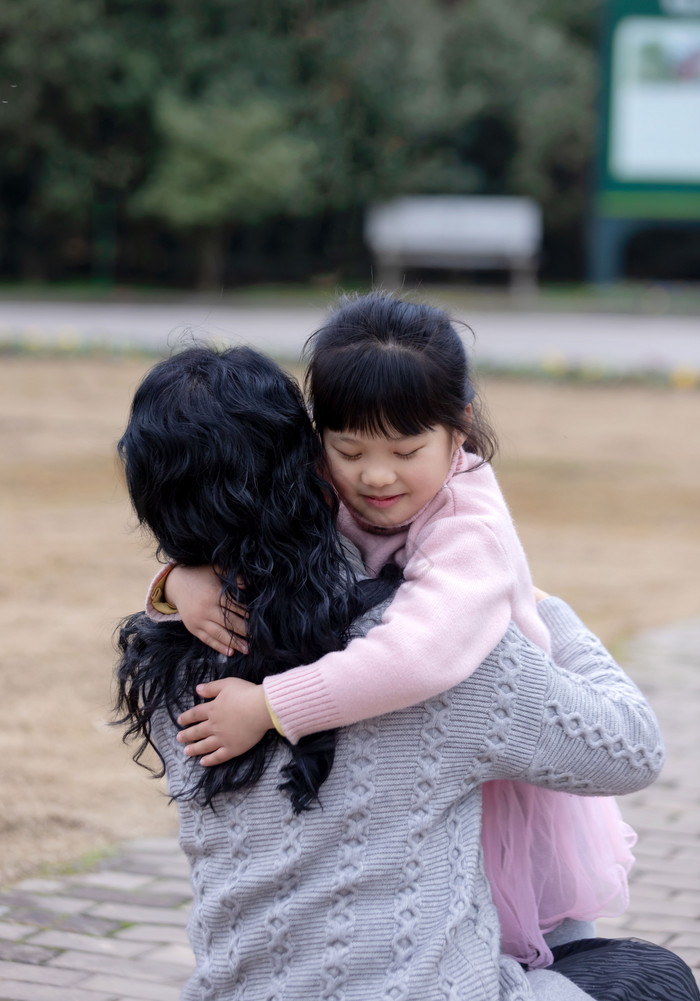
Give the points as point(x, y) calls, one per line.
point(388, 480)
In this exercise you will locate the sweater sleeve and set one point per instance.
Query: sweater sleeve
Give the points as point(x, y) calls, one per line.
point(579, 725)
point(451, 611)
point(596, 722)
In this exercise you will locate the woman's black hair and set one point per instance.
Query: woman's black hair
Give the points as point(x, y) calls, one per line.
point(383, 365)
point(222, 465)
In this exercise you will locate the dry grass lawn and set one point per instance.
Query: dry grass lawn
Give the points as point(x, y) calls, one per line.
point(604, 484)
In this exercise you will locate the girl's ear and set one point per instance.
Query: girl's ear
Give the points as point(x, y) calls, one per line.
point(459, 437)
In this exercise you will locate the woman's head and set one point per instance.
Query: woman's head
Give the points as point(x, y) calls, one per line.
point(222, 466)
point(218, 447)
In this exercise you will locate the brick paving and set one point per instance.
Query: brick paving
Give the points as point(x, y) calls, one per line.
point(115, 934)
point(665, 881)
point(118, 933)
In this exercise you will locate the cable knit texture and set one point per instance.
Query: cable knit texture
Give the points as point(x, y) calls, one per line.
point(381, 894)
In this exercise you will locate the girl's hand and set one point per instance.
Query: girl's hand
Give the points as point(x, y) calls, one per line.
point(232, 723)
point(196, 593)
point(540, 594)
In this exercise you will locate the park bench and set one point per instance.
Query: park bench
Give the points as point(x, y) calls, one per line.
point(455, 232)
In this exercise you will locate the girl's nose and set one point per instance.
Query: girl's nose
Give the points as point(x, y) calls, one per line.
point(378, 475)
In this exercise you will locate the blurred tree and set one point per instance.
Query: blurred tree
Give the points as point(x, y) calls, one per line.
point(221, 164)
point(531, 82)
point(73, 124)
point(205, 115)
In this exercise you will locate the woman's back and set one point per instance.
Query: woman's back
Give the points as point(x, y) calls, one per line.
point(380, 892)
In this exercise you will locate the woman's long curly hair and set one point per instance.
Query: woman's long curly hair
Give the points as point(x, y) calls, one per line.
point(222, 465)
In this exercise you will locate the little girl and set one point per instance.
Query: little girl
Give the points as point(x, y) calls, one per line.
point(408, 454)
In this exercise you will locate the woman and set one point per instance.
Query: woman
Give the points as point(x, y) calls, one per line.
point(380, 893)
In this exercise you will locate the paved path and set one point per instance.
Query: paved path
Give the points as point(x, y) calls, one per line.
point(665, 885)
point(118, 934)
point(612, 342)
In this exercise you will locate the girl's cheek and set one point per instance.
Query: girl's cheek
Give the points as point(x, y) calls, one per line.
point(333, 473)
point(339, 482)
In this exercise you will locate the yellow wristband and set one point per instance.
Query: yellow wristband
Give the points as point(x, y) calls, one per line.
point(159, 602)
point(275, 721)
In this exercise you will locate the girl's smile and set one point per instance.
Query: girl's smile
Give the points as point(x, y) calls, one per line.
point(387, 481)
point(382, 502)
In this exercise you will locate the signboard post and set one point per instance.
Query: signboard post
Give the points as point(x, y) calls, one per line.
point(648, 171)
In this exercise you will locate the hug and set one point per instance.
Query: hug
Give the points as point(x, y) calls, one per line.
point(357, 854)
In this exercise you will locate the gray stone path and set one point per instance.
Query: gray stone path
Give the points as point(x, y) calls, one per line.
point(118, 933)
point(610, 342)
point(665, 882)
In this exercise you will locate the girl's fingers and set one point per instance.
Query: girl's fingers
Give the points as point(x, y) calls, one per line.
point(235, 623)
point(190, 735)
point(203, 747)
point(218, 640)
point(216, 758)
point(240, 611)
point(237, 644)
point(222, 640)
point(197, 714)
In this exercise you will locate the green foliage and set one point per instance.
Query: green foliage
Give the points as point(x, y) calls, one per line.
point(206, 114)
point(223, 163)
point(76, 97)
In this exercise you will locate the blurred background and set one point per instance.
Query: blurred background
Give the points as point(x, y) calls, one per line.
point(213, 144)
point(227, 166)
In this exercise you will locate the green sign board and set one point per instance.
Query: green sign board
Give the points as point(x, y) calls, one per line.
point(650, 151)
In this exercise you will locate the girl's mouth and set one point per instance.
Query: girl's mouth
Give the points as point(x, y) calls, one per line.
point(381, 502)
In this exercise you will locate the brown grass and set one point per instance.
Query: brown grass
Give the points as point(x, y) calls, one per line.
point(604, 484)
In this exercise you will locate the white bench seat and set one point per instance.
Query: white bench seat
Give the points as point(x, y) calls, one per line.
point(455, 232)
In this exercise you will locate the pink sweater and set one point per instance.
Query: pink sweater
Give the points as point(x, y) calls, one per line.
point(466, 578)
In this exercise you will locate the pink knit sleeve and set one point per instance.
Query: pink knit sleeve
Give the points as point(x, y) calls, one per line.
point(451, 611)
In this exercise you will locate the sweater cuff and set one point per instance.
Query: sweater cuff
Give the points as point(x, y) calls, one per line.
point(299, 703)
point(561, 621)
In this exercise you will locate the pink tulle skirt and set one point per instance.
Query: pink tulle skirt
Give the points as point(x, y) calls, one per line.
point(550, 856)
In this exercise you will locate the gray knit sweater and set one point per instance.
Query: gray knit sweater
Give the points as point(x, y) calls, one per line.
point(380, 894)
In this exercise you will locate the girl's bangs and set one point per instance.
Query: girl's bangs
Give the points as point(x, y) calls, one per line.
point(381, 392)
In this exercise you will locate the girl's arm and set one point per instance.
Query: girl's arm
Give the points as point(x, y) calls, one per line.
point(452, 609)
point(450, 612)
point(583, 727)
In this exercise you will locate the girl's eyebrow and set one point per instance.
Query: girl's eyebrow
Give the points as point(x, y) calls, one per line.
point(350, 440)
point(344, 437)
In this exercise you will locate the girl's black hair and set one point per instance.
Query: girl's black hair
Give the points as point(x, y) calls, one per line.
point(383, 365)
point(222, 465)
